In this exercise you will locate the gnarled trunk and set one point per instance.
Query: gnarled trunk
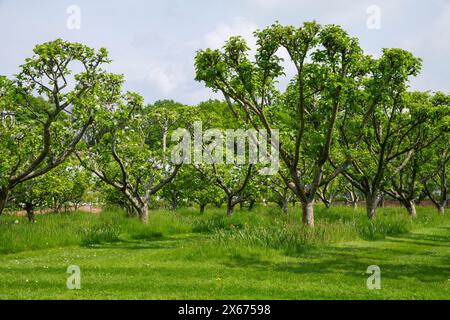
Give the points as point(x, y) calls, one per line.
point(441, 209)
point(308, 213)
point(411, 208)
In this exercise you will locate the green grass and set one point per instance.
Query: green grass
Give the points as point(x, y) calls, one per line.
point(252, 255)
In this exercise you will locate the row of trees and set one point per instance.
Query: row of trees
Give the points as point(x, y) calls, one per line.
point(343, 113)
point(348, 127)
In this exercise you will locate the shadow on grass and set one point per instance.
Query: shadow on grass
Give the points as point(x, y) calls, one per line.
point(353, 261)
point(169, 242)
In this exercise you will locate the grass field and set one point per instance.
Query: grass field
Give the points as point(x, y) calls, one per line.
point(252, 255)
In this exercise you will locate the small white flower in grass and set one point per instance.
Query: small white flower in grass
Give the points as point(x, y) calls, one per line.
point(16, 222)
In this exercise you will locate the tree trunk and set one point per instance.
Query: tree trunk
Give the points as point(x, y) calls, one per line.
point(3, 199)
point(174, 204)
point(130, 210)
point(251, 205)
point(202, 207)
point(308, 213)
point(143, 214)
point(353, 199)
point(371, 205)
point(381, 201)
point(30, 213)
point(441, 209)
point(285, 206)
point(230, 207)
point(293, 202)
point(411, 207)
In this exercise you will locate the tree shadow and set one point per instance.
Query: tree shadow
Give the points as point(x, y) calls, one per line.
point(157, 243)
point(353, 261)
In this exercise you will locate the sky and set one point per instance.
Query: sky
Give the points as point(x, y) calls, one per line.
point(153, 43)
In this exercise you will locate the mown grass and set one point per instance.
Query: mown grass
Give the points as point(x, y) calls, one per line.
point(258, 254)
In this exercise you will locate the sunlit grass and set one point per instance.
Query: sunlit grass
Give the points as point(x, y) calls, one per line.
point(259, 254)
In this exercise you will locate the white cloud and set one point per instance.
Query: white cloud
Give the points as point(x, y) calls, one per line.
point(239, 27)
point(163, 80)
point(153, 43)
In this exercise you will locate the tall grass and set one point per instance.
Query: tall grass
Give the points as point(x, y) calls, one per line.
point(334, 225)
point(263, 227)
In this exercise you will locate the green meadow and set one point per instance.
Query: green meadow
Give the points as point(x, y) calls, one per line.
point(257, 254)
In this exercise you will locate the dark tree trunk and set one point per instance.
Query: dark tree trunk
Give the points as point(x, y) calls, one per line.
point(3, 199)
point(202, 207)
point(308, 213)
point(131, 211)
point(174, 205)
point(293, 202)
point(30, 212)
point(251, 205)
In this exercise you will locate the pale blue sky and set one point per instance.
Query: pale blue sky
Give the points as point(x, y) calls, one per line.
point(153, 43)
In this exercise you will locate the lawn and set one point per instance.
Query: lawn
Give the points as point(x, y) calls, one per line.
point(185, 255)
